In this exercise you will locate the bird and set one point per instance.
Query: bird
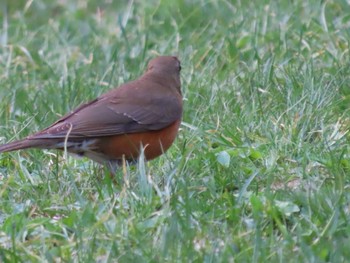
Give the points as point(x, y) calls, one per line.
point(142, 116)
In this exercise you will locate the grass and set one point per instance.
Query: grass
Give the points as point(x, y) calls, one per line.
point(259, 171)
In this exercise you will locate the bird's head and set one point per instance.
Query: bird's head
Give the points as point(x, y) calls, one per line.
point(167, 67)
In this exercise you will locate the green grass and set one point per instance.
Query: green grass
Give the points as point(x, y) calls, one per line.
point(259, 171)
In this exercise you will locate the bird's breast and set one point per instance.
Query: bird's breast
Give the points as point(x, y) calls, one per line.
point(153, 143)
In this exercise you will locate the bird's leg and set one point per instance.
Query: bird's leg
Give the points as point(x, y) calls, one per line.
point(112, 167)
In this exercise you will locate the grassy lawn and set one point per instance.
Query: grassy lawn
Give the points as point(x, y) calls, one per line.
point(260, 169)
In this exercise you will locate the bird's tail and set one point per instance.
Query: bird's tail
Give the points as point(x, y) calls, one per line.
point(21, 144)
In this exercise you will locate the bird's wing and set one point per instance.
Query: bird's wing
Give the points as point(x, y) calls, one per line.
point(107, 116)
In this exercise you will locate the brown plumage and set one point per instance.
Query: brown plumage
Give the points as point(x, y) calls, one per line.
point(144, 113)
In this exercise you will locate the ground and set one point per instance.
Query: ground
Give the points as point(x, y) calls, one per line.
point(259, 171)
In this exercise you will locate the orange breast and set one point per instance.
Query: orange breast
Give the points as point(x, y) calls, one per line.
point(154, 143)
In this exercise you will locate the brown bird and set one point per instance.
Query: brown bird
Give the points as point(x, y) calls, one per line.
point(141, 115)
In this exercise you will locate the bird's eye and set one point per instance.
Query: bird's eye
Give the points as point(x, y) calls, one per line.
point(179, 67)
